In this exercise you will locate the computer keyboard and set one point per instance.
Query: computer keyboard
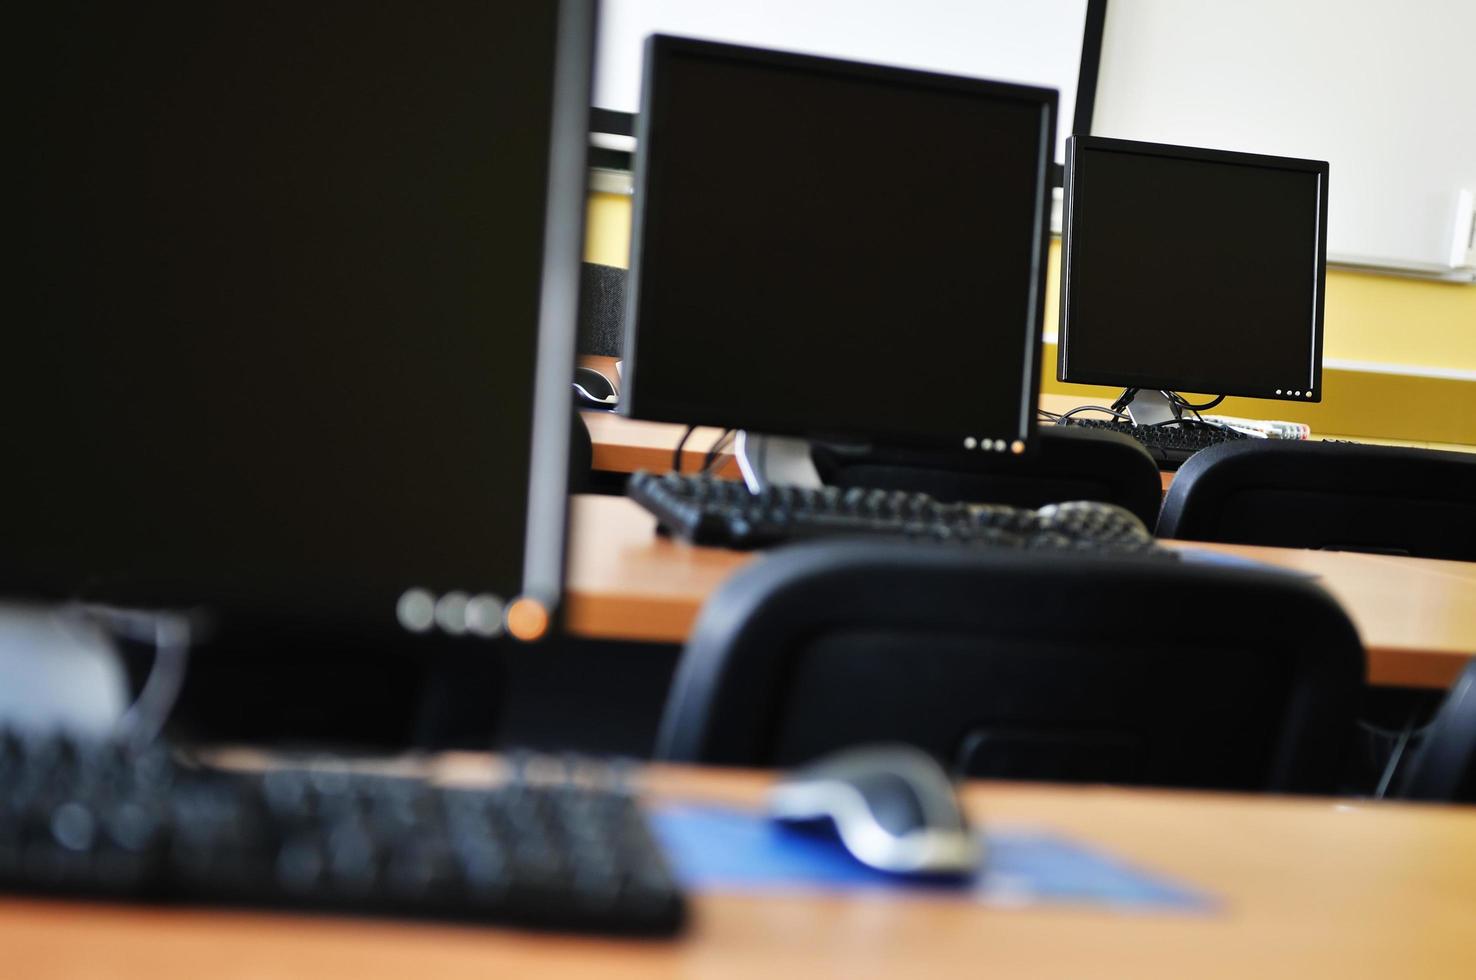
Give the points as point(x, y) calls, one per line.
point(1169, 445)
point(95, 819)
point(724, 513)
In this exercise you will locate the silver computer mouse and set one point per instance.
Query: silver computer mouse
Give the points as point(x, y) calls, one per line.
point(892, 806)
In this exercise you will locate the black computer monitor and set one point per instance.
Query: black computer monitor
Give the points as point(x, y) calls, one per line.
point(1187, 269)
point(834, 250)
point(292, 329)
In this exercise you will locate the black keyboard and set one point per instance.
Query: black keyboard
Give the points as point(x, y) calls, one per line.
point(724, 513)
point(1169, 445)
point(93, 819)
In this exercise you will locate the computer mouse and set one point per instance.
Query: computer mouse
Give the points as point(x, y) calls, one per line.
point(892, 806)
point(593, 389)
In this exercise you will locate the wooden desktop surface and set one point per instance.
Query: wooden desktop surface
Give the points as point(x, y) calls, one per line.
point(623, 445)
point(1305, 888)
point(1417, 616)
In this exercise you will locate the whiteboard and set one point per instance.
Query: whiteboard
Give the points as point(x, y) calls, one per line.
point(1036, 42)
point(1384, 90)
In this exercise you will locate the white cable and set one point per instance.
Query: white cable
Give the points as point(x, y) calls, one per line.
point(169, 633)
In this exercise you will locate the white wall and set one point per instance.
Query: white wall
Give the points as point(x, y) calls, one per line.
point(1384, 90)
point(1037, 42)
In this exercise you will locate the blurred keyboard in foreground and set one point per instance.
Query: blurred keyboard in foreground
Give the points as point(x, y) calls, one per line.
point(569, 849)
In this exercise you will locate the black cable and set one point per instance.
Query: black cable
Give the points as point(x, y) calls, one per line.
point(1188, 424)
point(716, 449)
point(1185, 423)
point(1183, 402)
point(1097, 408)
point(676, 454)
point(1124, 399)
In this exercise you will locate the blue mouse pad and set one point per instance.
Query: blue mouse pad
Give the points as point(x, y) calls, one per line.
point(720, 849)
point(1204, 556)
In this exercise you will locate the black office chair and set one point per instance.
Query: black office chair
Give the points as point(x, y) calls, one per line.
point(1067, 464)
point(1444, 767)
point(1022, 665)
point(1382, 499)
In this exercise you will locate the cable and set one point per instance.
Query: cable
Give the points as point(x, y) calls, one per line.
point(145, 719)
point(169, 634)
point(1124, 399)
point(1096, 408)
point(1183, 402)
point(1394, 758)
point(676, 454)
point(1195, 423)
point(1393, 733)
point(715, 450)
point(1118, 409)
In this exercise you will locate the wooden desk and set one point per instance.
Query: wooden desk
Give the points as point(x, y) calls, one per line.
point(1417, 616)
point(624, 445)
point(1309, 888)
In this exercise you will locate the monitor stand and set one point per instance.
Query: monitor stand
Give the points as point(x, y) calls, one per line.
point(1150, 407)
point(767, 461)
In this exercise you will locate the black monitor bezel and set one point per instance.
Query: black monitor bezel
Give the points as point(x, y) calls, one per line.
point(1067, 373)
point(660, 48)
point(546, 532)
point(543, 471)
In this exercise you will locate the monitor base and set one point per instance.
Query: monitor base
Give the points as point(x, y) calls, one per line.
point(1150, 407)
point(775, 460)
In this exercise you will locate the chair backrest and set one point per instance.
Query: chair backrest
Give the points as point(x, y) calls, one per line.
point(1022, 665)
point(1444, 767)
point(1065, 464)
point(1384, 499)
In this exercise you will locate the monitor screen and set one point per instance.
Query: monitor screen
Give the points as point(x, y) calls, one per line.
point(829, 249)
point(285, 273)
point(1193, 270)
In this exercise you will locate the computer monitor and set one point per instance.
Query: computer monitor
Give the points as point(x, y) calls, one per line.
point(293, 327)
point(866, 264)
point(1187, 269)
